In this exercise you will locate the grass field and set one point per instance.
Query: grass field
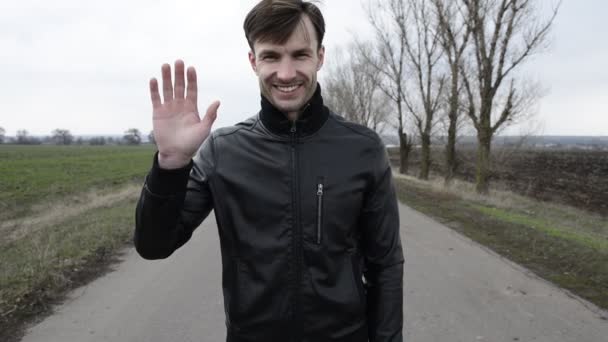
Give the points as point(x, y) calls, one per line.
point(35, 175)
point(64, 211)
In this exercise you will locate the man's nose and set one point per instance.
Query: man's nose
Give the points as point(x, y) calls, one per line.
point(287, 70)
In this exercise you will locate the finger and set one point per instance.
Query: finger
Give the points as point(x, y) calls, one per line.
point(167, 86)
point(211, 114)
point(179, 79)
point(191, 96)
point(154, 95)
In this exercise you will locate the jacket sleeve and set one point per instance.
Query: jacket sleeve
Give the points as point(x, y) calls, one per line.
point(172, 204)
point(383, 255)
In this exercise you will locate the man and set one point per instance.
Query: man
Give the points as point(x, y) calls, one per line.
point(303, 199)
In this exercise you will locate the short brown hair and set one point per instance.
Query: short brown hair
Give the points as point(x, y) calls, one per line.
point(275, 20)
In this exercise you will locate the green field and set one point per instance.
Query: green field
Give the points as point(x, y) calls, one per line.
point(31, 175)
point(64, 211)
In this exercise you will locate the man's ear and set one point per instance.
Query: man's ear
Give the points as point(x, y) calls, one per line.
point(321, 57)
point(253, 62)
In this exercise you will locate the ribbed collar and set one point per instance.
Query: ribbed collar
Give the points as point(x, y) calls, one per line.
point(310, 121)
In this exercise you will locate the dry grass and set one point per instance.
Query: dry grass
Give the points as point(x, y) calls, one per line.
point(51, 213)
point(38, 268)
point(570, 222)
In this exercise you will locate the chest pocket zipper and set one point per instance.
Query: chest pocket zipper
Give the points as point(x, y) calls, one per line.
point(319, 209)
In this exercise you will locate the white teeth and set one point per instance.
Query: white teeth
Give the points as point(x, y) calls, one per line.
point(288, 89)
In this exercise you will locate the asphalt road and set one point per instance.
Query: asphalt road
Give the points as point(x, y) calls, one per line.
point(455, 291)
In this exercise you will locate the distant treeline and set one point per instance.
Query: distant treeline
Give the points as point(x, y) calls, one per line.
point(59, 136)
point(543, 142)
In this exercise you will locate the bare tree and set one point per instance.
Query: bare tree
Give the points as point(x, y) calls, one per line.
point(352, 89)
point(23, 138)
point(504, 34)
point(132, 136)
point(62, 137)
point(423, 97)
point(2, 132)
point(97, 141)
point(455, 34)
point(387, 58)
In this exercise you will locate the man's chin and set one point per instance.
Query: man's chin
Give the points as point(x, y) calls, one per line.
point(288, 107)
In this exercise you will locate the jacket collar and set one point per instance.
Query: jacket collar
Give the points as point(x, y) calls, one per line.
point(314, 116)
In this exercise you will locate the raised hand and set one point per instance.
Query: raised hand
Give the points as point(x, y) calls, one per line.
point(178, 128)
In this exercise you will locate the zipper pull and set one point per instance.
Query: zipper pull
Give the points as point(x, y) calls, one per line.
point(293, 127)
point(319, 209)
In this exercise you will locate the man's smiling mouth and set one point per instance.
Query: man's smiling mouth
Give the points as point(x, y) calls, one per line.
point(288, 89)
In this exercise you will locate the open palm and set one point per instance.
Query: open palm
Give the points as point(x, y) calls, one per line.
point(178, 128)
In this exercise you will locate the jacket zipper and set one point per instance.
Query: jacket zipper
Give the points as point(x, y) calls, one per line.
point(297, 238)
point(319, 209)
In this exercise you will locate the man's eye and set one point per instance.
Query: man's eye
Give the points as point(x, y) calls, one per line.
point(269, 58)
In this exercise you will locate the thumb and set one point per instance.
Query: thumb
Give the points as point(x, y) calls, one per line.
point(211, 114)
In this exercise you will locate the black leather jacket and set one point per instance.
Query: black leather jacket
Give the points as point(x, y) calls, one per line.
point(308, 224)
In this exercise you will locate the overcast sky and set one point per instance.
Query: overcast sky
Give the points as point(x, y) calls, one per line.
point(85, 65)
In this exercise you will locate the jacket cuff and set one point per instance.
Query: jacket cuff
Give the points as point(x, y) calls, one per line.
point(163, 182)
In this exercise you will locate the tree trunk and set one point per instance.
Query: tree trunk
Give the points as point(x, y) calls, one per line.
point(450, 149)
point(425, 159)
point(450, 152)
point(404, 153)
point(484, 140)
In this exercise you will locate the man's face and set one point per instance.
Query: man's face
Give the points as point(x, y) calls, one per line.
point(288, 73)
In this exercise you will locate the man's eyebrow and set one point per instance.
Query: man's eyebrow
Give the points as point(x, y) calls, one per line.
point(304, 50)
point(268, 52)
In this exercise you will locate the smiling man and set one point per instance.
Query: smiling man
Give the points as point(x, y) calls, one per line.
point(304, 200)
